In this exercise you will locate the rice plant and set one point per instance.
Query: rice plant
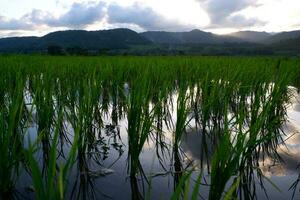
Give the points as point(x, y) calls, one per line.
point(78, 107)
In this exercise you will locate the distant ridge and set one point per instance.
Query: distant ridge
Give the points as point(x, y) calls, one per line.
point(282, 36)
point(192, 37)
point(111, 39)
point(251, 36)
point(123, 41)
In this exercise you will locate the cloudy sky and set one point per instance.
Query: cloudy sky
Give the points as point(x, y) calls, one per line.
point(38, 17)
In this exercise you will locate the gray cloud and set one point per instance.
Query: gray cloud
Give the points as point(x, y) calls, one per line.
point(220, 9)
point(241, 21)
point(237, 21)
point(37, 17)
point(79, 15)
point(14, 24)
point(222, 13)
point(144, 17)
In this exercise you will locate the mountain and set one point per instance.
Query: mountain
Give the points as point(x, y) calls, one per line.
point(19, 44)
point(125, 41)
point(192, 37)
point(202, 37)
point(92, 40)
point(288, 45)
point(251, 36)
point(115, 38)
point(163, 37)
point(282, 36)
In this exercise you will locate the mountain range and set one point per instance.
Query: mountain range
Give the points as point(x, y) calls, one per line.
point(121, 40)
point(192, 37)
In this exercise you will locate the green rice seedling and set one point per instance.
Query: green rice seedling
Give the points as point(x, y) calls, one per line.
point(53, 185)
point(12, 123)
point(162, 100)
point(238, 105)
point(225, 162)
point(140, 119)
point(182, 191)
point(252, 143)
point(182, 120)
point(42, 91)
point(183, 111)
point(262, 141)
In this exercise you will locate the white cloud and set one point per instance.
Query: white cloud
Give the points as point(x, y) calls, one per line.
point(279, 15)
point(224, 13)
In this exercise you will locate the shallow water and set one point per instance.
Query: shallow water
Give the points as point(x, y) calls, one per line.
point(101, 171)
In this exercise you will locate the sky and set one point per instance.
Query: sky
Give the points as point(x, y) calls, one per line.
point(39, 17)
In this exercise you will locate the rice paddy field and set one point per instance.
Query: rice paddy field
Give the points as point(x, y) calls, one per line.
point(149, 127)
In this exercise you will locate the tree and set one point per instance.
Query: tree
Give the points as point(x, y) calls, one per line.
point(55, 50)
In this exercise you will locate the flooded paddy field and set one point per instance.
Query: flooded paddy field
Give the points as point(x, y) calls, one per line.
point(149, 127)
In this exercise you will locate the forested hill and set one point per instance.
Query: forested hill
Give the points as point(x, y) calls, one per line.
point(126, 41)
